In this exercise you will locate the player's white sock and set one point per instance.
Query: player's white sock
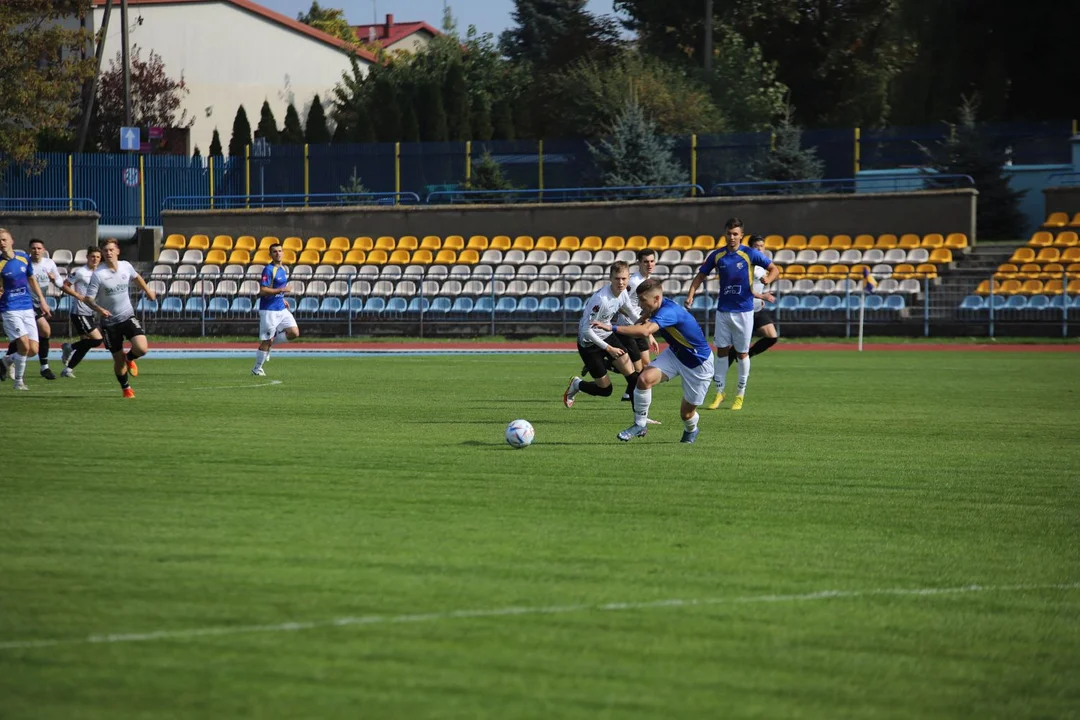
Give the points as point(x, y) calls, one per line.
point(720, 373)
point(744, 374)
point(691, 424)
point(260, 358)
point(281, 337)
point(20, 367)
point(642, 401)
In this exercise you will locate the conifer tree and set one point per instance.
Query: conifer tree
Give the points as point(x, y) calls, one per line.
point(315, 130)
point(241, 133)
point(456, 104)
point(788, 159)
point(215, 144)
point(480, 120)
point(268, 128)
point(432, 115)
point(502, 121)
point(293, 132)
point(635, 155)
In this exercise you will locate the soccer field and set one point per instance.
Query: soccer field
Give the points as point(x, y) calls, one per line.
point(884, 535)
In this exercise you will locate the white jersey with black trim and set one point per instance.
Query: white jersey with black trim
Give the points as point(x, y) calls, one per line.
point(80, 280)
point(602, 307)
point(631, 293)
point(759, 287)
point(44, 270)
point(110, 290)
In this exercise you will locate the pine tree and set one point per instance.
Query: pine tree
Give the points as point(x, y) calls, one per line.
point(432, 115)
point(487, 175)
point(502, 120)
point(456, 103)
point(292, 133)
point(480, 120)
point(197, 153)
point(635, 155)
point(387, 115)
point(268, 128)
point(363, 130)
point(315, 130)
point(788, 160)
point(241, 133)
point(342, 133)
point(969, 152)
point(215, 144)
point(410, 124)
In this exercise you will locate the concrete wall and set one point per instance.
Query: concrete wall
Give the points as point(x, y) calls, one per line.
point(942, 211)
point(1061, 199)
point(1032, 179)
point(72, 231)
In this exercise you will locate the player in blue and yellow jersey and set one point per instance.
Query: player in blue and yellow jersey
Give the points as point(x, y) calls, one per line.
point(687, 356)
point(19, 291)
point(276, 323)
point(734, 265)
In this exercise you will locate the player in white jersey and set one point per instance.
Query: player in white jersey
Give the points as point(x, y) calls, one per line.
point(764, 324)
point(646, 263)
point(595, 345)
point(82, 317)
point(45, 272)
point(108, 294)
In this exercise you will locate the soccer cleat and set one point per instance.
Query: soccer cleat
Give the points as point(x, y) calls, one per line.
point(716, 400)
point(632, 432)
point(20, 385)
point(48, 374)
point(626, 397)
point(67, 372)
point(133, 369)
point(129, 393)
point(737, 404)
point(258, 371)
point(65, 353)
point(571, 392)
point(689, 436)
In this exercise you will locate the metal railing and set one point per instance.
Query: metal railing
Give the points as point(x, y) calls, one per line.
point(1063, 179)
point(79, 204)
point(291, 200)
point(574, 194)
point(869, 183)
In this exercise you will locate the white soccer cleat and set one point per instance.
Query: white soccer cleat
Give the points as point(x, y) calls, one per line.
point(67, 372)
point(20, 385)
point(65, 355)
point(633, 431)
point(258, 371)
point(571, 392)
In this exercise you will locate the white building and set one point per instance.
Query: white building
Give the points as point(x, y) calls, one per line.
point(232, 52)
point(411, 37)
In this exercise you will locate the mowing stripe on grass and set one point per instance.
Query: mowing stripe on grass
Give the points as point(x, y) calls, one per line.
point(509, 611)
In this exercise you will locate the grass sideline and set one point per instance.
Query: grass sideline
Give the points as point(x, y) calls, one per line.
point(382, 487)
point(571, 340)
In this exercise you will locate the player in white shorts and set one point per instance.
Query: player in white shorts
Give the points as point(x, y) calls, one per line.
point(764, 325)
point(734, 265)
point(17, 287)
point(276, 323)
point(45, 273)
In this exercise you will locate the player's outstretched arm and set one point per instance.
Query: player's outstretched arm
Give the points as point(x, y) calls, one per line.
point(145, 288)
point(36, 289)
point(694, 285)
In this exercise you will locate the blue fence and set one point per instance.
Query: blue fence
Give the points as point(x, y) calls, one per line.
point(902, 182)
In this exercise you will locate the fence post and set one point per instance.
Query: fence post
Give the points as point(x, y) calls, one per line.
point(211, 182)
point(847, 308)
point(991, 313)
point(348, 305)
point(468, 161)
point(540, 165)
point(71, 183)
point(693, 164)
point(247, 176)
point(493, 278)
point(397, 172)
point(858, 150)
point(307, 183)
point(926, 306)
point(142, 190)
point(1065, 298)
point(421, 307)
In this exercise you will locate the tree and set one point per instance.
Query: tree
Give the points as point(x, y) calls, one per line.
point(293, 132)
point(635, 155)
point(487, 175)
point(330, 20)
point(215, 144)
point(432, 116)
point(363, 130)
point(551, 34)
point(744, 84)
point(315, 130)
point(502, 120)
point(268, 128)
point(456, 104)
point(384, 98)
point(41, 74)
point(241, 133)
point(410, 123)
point(968, 152)
point(480, 120)
point(788, 160)
point(155, 99)
point(197, 153)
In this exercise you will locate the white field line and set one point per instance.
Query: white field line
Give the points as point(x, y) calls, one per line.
point(72, 388)
point(512, 611)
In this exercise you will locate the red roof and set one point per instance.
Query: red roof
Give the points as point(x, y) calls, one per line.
point(389, 32)
point(263, 12)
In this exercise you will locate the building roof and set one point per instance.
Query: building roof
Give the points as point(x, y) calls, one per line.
point(390, 32)
point(265, 13)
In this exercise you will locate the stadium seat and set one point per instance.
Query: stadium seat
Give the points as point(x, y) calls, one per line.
point(491, 257)
point(1070, 255)
point(874, 302)
point(886, 241)
point(384, 243)
point(926, 270)
point(941, 256)
point(840, 242)
point(1038, 302)
point(1047, 255)
point(308, 305)
point(288, 257)
point(816, 272)
point(192, 257)
point(569, 243)
point(440, 305)
point(218, 306)
point(341, 244)
point(1006, 271)
point(918, 255)
point(172, 304)
point(909, 241)
point(592, 242)
point(1016, 302)
point(419, 305)
point(446, 257)
point(262, 257)
point(1057, 220)
point(810, 303)
point(1041, 239)
point(818, 242)
point(985, 287)
point(784, 257)
point(309, 257)
point(528, 305)
point(863, 242)
point(956, 241)
point(462, 305)
point(1073, 287)
point(1031, 287)
point(175, 242)
point(377, 257)
point(222, 242)
point(1029, 271)
point(186, 272)
point(705, 243)
point(682, 243)
point(931, 241)
point(795, 242)
point(549, 305)
point(890, 285)
point(837, 272)
point(500, 242)
point(318, 244)
point(635, 243)
point(483, 305)
point(419, 257)
point(477, 242)
point(656, 242)
point(788, 302)
point(831, 303)
point(794, 271)
point(240, 257)
point(523, 242)
point(774, 242)
point(894, 302)
point(573, 304)
point(332, 257)
point(506, 305)
point(356, 257)
point(226, 287)
point(895, 255)
point(167, 257)
point(1066, 239)
point(363, 243)
point(407, 242)
point(195, 304)
point(267, 241)
point(849, 257)
point(431, 242)
point(1052, 287)
point(199, 242)
point(1051, 271)
point(547, 243)
point(145, 305)
point(806, 257)
point(972, 302)
point(397, 257)
point(468, 257)
point(537, 257)
point(828, 257)
point(293, 243)
point(61, 257)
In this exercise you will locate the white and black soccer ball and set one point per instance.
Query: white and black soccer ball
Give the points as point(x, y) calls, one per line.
point(520, 434)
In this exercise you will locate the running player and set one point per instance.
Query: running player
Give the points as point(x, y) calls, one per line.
point(17, 288)
point(45, 271)
point(276, 323)
point(763, 319)
point(687, 356)
point(735, 305)
point(595, 345)
point(110, 283)
point(646, 263)
point(82, 317)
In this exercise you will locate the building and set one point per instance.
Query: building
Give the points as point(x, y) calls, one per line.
point(409, 36)
point(232, 52)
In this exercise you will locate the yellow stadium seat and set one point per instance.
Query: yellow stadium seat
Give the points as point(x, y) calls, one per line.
point(431, 242)
point(614, 243)
point(818, 242)
point(1009, 287)
point(318, 244)
point(385, 243)
point(293, 243)
point(704, 242)
point(356, 257)
point(262, 257)
point(500, 242)
point(1041, 239)
point(681, 243)
point(592, 242)
point(941, 256)
point(1031, 287)
point(1052, 271)
point(863, 242)
point(309, 257)
point(1048, 255)
point(956, 241)
point(885, 242)
point(446, 257)
point(1022, 255)
point(1052, 287)
point(1073, 269)
point(175, 242)
point(332, 257)
point(927, 270)
point(837, 272)
point(1057, 220)
point(423, 256)
point(858, 271)
point(570, 243)
point(902, 271)
point(984, 287)
point(1075, 222)
point(222, 242)
point(798, 270)
point(795, 242)
point(376, 257)
point(198, 242)
point(1006, 271)
point(1071, 255)
point(239, 257)
point(267, 241)
point(456, 242)
point(774, 242)
point(477, 242)
point(407, 242)
point(215, 257)
point(659, 243)
point(245, 242)
point(817, 272)
point(342, 244)
point(398, 257)
point(932, 241)
point(523, 242)
point(1066, 239)
point(363, 243)
point(1029, 271)
point(637, 242)
point(840, 242)
point(288, 257)
point(909, 241)
point(547, 243)
point(468, 257)
point(1073, 287)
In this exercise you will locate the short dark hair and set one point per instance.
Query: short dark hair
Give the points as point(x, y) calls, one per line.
point(37, 240)
point(93, 249)
point(751, 239)
point(650, 285)
point(644, 253)
point(274, 245)
point(733, 223)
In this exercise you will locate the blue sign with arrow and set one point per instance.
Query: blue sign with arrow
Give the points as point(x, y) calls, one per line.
point(129, 138)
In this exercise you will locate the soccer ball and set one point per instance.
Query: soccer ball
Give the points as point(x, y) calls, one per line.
point(520, 434)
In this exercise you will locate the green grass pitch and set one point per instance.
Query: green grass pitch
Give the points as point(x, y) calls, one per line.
point(166, 543)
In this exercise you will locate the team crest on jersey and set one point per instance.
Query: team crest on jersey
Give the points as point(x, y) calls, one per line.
point(739, 265)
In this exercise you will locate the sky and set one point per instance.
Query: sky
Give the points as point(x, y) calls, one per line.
point(491, 16)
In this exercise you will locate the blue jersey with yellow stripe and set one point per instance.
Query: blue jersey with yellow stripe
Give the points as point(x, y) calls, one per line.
point(734, 269)
point(682, 332)
point(16, 274)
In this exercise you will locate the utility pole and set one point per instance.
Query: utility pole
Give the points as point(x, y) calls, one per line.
point(708, 36)
point(126, 59)
point(88, 108)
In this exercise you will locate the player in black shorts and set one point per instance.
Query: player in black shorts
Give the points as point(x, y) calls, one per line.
point(82, 317)
point(764, 325)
